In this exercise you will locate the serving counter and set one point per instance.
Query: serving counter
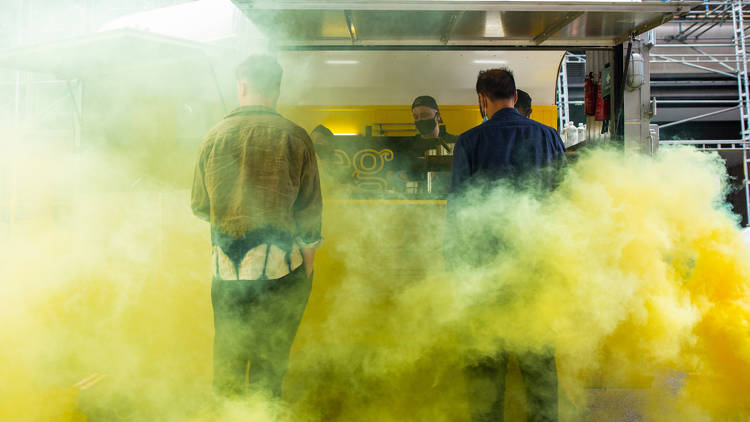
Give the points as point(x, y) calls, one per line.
point(377, 235)
point(376, 246)
point(373, 249)
point(380, 167)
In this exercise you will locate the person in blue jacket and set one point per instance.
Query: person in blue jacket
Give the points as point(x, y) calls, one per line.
point(508, 148)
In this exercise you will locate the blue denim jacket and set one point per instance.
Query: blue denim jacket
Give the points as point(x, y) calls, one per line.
point(508, 145)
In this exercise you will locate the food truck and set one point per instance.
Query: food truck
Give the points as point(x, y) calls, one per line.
point(146, 88)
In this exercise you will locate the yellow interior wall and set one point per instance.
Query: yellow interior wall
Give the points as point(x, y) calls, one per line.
point(546, 114)
point(353, 119)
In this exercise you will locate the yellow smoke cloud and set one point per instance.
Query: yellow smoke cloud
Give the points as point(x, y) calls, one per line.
point(633, 270)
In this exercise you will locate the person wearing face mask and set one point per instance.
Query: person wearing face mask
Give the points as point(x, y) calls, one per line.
point(506, 148)
point(427, 120)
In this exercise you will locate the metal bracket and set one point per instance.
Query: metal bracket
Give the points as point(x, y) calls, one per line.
point(450, 28)
point(649, 110)
point(556, 26)
point(350, 26)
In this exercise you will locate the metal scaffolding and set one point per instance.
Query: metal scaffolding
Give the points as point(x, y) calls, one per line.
point(563, 96)
point(731, 62)
point(699, 32)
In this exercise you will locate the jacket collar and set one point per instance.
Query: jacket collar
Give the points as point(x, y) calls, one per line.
point(506, 113)
point(251, 109)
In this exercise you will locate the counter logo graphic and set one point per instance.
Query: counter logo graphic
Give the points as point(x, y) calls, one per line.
point(341, 158)
point(367, 165)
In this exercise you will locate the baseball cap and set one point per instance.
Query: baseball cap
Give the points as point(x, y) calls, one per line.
point(425, 100)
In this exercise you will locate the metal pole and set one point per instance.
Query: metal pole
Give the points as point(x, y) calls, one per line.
point(691, 45)
point(562, 94)
point(726, 66)
point(217, 85)
point(671, 60)
point(742, 88)
point(12, 177)
point(560, 110)
point(701, 142)
point(700, 116)
point(698, 101)
point(77, 121)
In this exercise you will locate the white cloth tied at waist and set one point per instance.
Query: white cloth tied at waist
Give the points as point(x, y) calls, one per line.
point(252, 264)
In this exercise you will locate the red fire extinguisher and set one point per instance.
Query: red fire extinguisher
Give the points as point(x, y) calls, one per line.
point(602, 104)
point(589, 95)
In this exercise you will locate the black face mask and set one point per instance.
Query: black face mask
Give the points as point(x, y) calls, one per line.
point(426, 127)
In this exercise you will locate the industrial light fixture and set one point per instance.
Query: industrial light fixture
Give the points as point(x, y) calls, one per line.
point(342, 61)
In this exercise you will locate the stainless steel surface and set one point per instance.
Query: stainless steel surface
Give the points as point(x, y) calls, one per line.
point(397, 77)
point(300, 24)
point(449, 5)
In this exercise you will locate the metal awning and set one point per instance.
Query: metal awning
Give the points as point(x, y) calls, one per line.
point(99, 54)
point(337, 24)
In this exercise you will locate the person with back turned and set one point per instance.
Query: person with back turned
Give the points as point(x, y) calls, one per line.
point(511, 148)
point(523, 104)
point(257, 183)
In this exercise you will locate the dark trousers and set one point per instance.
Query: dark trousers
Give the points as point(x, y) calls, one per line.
point(486, 387)
point(255, 322)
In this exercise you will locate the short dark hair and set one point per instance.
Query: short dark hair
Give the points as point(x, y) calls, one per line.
point(497, 84)
point(322, 130)
point(263, 74)
point(524, 101)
